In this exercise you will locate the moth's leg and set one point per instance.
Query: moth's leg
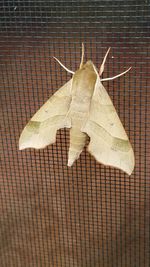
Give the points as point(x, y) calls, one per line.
point(63, 65)
point(103, 63)
point(82, 56)
point(112, 78)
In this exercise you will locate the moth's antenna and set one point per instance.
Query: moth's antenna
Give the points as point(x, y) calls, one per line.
point(82, 57)
point(112, 78)
point(103, 63)
point(63, 65)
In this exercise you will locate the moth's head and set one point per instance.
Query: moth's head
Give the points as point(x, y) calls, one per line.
point(88, 65)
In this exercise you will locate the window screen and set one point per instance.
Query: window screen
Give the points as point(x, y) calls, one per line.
point(88, 215)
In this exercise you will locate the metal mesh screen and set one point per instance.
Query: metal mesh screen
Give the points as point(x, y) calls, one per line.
point(88, 215)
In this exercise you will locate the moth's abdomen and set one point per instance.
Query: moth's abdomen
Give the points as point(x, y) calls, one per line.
point(79, 110)
point(77, 142)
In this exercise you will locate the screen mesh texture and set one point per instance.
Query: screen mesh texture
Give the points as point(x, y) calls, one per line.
point(89, 215)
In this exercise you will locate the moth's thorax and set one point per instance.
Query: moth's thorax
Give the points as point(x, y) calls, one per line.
point(83, 85)
point(84, 80)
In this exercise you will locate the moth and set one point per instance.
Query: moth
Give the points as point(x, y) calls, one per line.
point(83, 105)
